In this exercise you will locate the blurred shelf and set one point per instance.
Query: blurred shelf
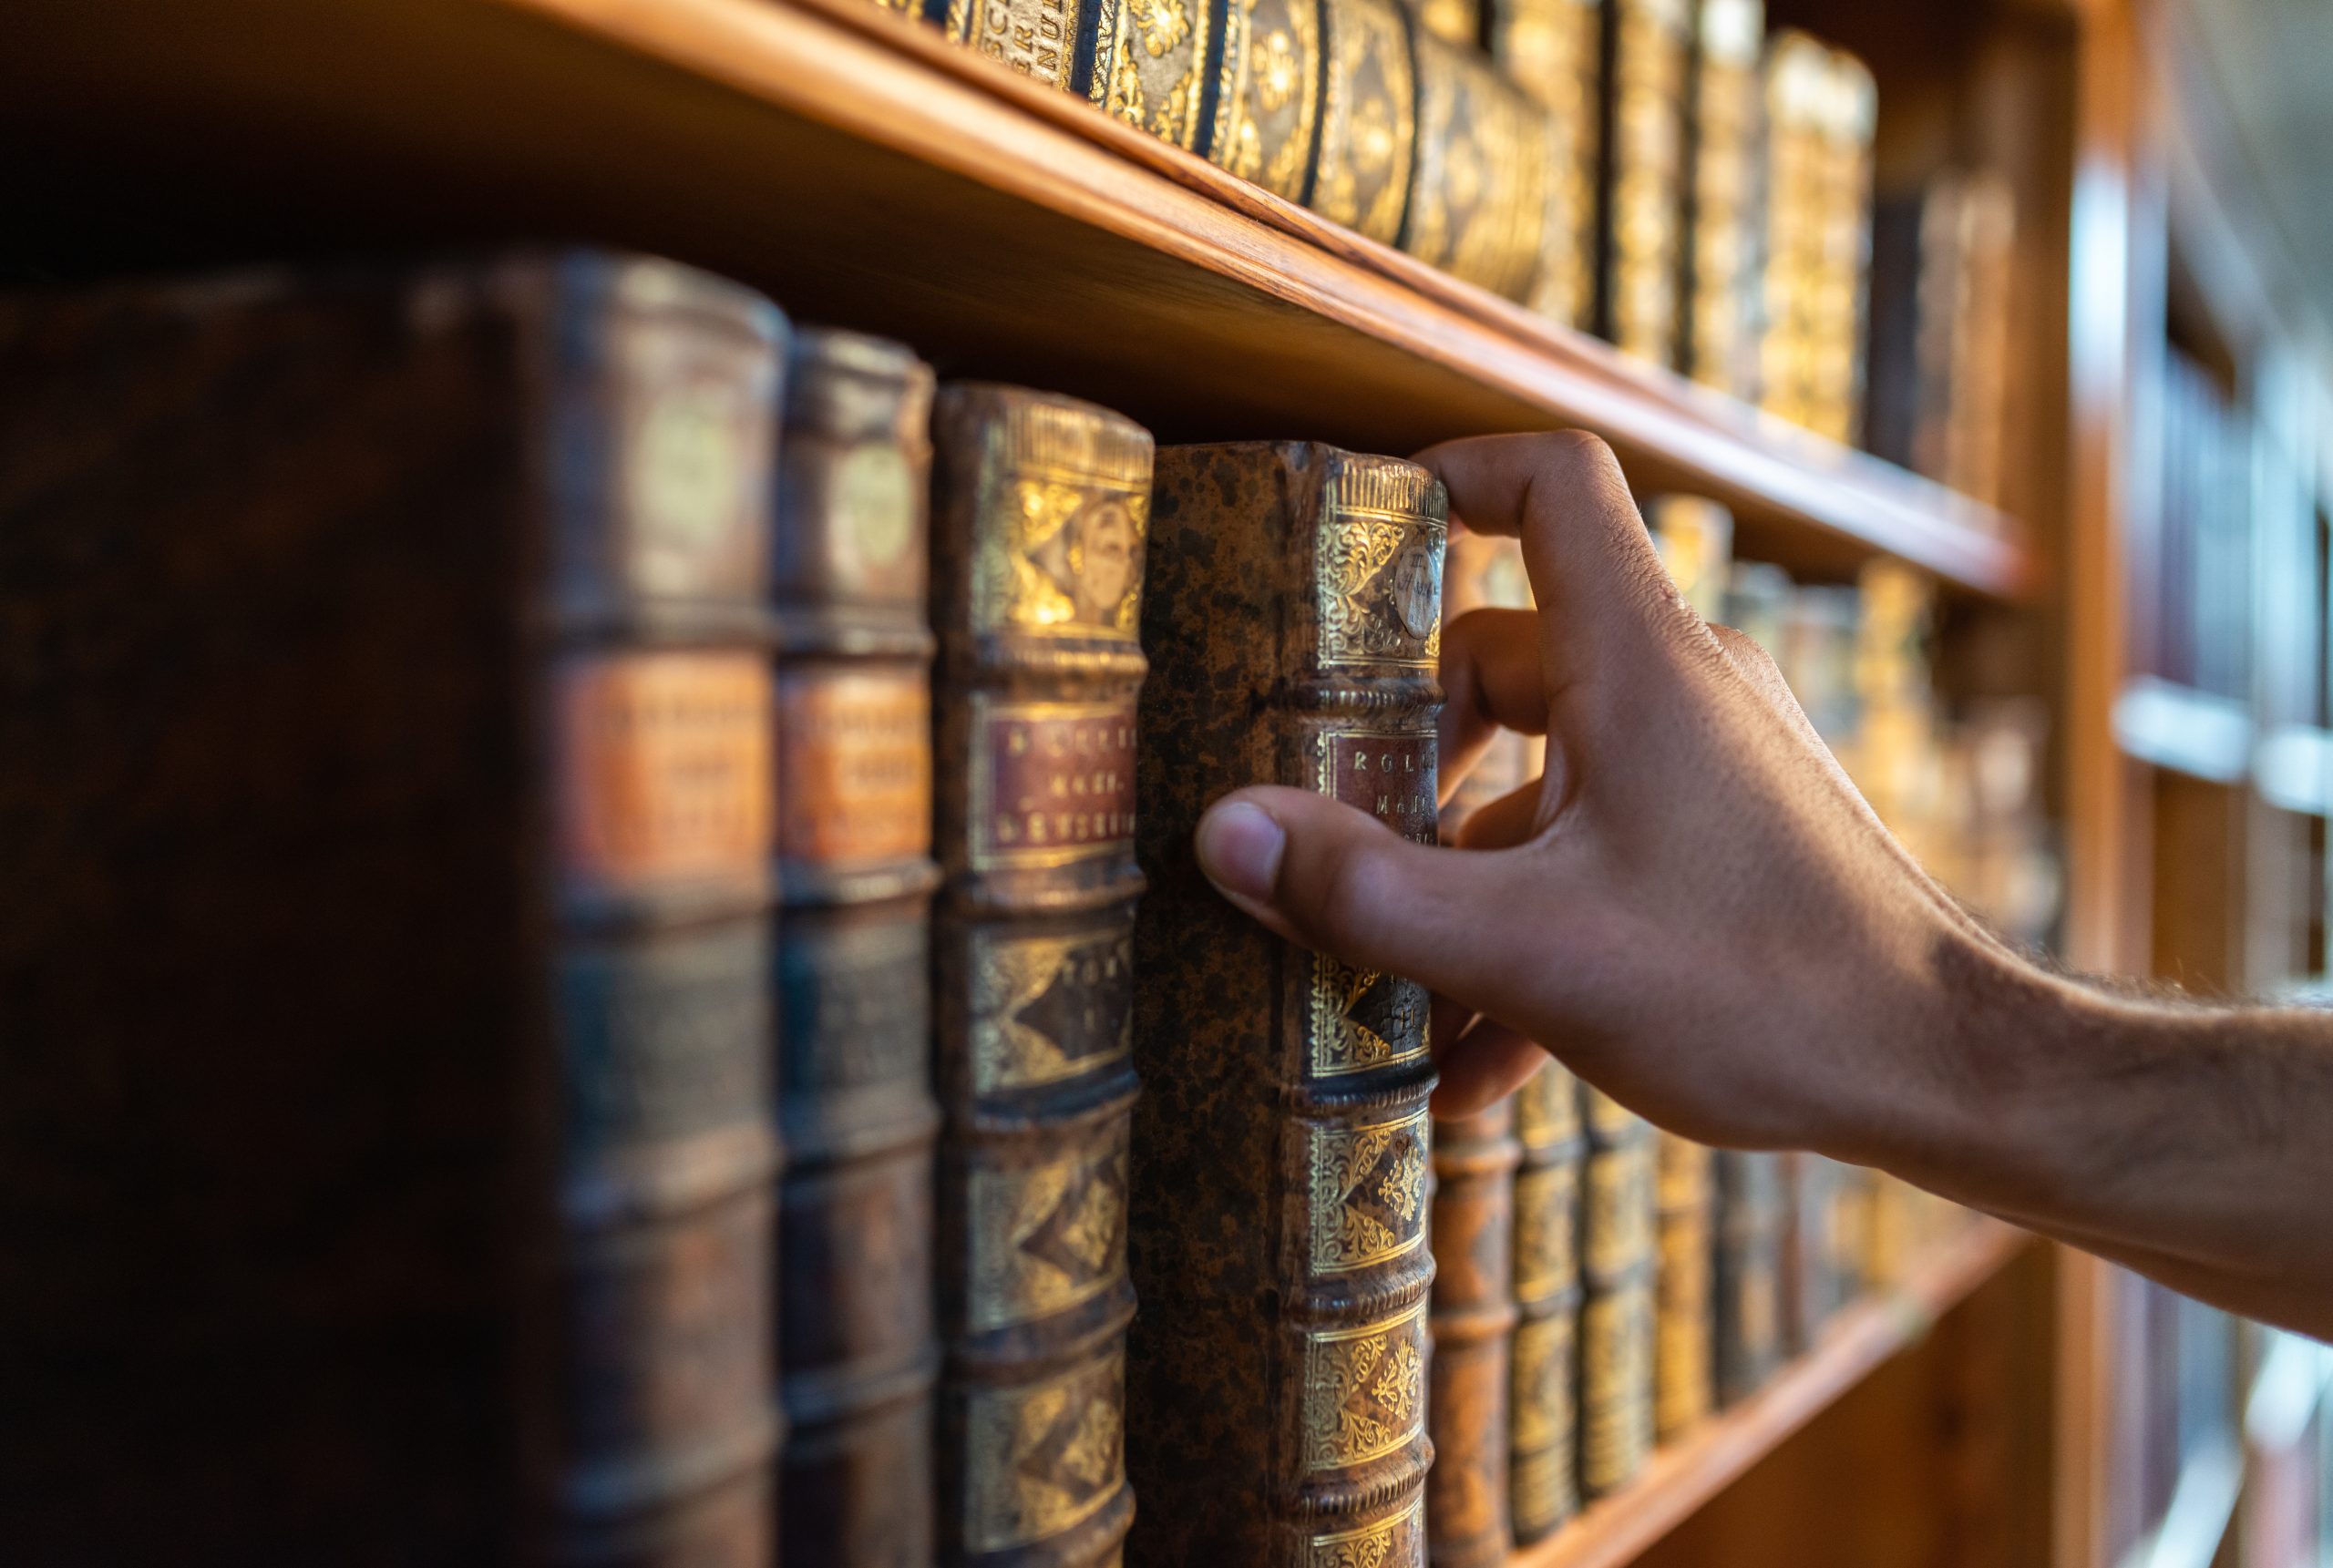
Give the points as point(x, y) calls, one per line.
point(2293, 769)
point(1686, 1474)
point(867, 173)
point(2183, 730)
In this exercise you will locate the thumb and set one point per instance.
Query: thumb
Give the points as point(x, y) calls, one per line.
point(1334, 879)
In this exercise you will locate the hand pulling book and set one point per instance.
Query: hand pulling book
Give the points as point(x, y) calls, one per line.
point(1473, 1228)
point(1277, 1374)
point(1616, 1318)
point(1041, 516)
point(857, 1356)
point(388, 1150)
point(1543, 1464)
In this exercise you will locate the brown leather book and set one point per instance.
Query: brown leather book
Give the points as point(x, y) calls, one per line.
point(1717, 344)
point(856, 1354)
point(1543, 1463)
point(1682, 1389)
point(1272, 135)
point(1746, 1271)
point(1640, 210)
point(1481, 182)
point(1618, 1264)
point(1553, 50)
point(1473, 1227)
point(1369, 118)
point(387, 1152)
point(1171, 68)
point(1041, 513)
point(1277, 1374)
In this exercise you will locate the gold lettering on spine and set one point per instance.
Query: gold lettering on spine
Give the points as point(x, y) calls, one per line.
point(1364, 1390)
point(1043, 1457)
point(1019, 1042)
point(1368, 1187)
point(1045, 1237)
point(1395, 1542)
point(1036, 38)
point(1052, 782)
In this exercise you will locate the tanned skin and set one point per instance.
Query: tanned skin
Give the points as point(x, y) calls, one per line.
point(1698, 914)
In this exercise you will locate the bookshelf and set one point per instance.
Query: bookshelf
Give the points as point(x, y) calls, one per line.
point(866, 173)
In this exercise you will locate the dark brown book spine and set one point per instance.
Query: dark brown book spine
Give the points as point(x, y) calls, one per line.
point(856, 1353)
point(1617, 1263)
point(1746, 1276)
point(1481, 182)
point(1544, 1484)
point(1040, 520)
point(1472, 1226)
point(409, 782)
point(1682, 1389)
point(1277, 1374)
point(1369, 118)
point(1272, 133)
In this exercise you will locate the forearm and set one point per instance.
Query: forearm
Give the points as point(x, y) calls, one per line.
point(2190, 1144)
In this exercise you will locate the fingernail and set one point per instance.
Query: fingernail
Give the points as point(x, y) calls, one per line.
point(1239, 849)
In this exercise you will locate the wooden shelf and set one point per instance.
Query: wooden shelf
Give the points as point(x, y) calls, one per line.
point(1686, 1474)
point(867, 173)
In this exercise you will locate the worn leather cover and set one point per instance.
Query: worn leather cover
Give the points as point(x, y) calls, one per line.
point(384, 1167)
point(1553, 51)
point(1616, 1315)
point(857, 1357)
point(1746, 1273)
point(1369, 118)
point(1482, 179)
point(1544, 1488)
point(1647, 48)
point(1682, 1390)
point(1473, 1320)
point(1276, 1372)
point(1040, 522)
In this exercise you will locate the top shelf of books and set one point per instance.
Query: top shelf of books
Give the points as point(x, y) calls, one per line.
point(866, 172)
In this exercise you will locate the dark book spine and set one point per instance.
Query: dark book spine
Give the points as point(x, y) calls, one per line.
point(1746, 1276)
point(856, 1353)
point(1640, 206)
point(1472, 1226)
point(1369, 118)
point(1482, 178)
point(1618, 1264)
point(1552, 50)
point(1172, 68)
point(1682, 1389)
point(1545, 1485)
point(1040, 521)
point(1277, 1375)
point(1272, 134)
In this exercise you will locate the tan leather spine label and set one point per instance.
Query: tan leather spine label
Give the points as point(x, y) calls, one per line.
point(1044, 1457)
point(1395, 1542)
point(854, 764)
point(1052, 782)
point(1041, 1239)
point(1364, 1390)
point(1368, 1192)
point(664, 766)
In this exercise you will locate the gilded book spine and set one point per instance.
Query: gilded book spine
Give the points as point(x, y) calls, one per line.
point(1683, 1392)
point(1747, 1271)
point(1849, 117)
point(857, 1355)
point(1647, 45)
point(1272, 134)
point(1172, 68)
point(1277, 1376)
point(1482, 179)
point(1795, 74)
point(1721, 188)
point(1544, 1488)
point(1617, 1263)
point(1369, 118)
point(1553, 50)
point(1041, 513)
point(1472, 1226)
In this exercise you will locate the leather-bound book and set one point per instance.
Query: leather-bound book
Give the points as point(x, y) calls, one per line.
point(1272, 134)
point(1543, 1421)
point(1553, 50)
point(1171, 68)
point(857, 1356)
point(1480, 184)
point(1640, 211)
point(1369, 118)
point(1682, 1392)
point(1040, 507)
point(1719, 348)
point(1795, 72)
point(1618, 1264)
point(1277, 1375)
point(1473, 1227)
point(1848, 119)
point(1746, 1271)
point(387, 1148)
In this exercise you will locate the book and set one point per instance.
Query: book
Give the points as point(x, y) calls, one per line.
point(1717, 345)
point(1480, 181)
point(1618, 1264)
point(1848, 115)
point(1746, 1281)
point(1041, 508)
point(1171, 68)
point(1552, 50)
point(1647, 48)
point(1369, 118)
point(857, 1352)
point(1683, 1390)
point(1544, 1451)
point(1276, 1377)
point(1795, 75)
point(1456, 22)
point(1273, 133)
point(401, 1021)
point(1473, 1229)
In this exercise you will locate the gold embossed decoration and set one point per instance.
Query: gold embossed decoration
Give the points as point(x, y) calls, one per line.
point(1068, 515)
point(1367, 118)
point(1545, 1490)
point(1395, 1542)
point(1368, 1193)
point(1363, 1017)
point(1379, 591)
point(1482, 183)
point(1546, 1202)
point(1044, 1458)
point(1045, 1008)
point(1045, 1237)
point(1271, 133)
point(1364, 1391)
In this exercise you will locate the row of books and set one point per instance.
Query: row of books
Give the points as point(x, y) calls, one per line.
point(617, 940)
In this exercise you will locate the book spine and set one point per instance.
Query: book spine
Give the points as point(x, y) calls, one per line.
point(1272, 133)
point(1811, 1280)
point(857, 1352)
point(1172, 68)
point(1641, 209)
point(1682, 1389)
point(1482, 179)
point(1369, 118)
point(1040, 519)
point(1794, 72)
point(1747, 1271)
point(1552, 50)
point(1849, 111)
point(1277, 1375)
point(1545, 1486)
point(1472, 1319)
point(1721, 186)
point(1617, 1263)
point(666, 410)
